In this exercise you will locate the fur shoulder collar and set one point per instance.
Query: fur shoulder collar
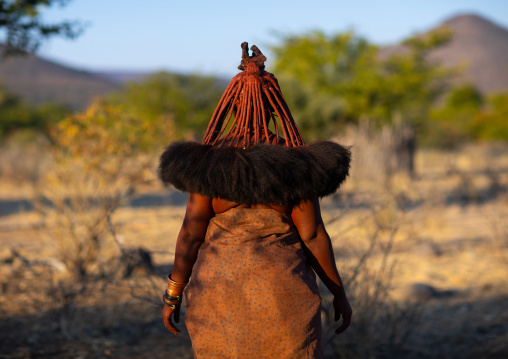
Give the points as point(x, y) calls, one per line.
point(262, 174)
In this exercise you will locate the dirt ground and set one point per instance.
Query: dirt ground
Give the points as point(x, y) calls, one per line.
point(430, 254)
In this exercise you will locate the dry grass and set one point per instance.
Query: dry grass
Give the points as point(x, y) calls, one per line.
point(425, 261)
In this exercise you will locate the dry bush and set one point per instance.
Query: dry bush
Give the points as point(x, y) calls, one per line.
point(499, 228)
point(478, 173)
point(76, 203)
point(101, 155)
point(378, 154)
point(381, 326)
point(22, 157)
point(386, 326)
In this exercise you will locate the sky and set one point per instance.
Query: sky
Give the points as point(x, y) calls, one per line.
point(205, 36)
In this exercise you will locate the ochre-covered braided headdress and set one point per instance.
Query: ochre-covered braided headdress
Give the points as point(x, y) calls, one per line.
point(240, 159)
point(252, 99)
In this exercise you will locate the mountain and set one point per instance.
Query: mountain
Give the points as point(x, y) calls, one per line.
point(122, 77)
point(478, 47)
point(37, 80)
point(481, 47)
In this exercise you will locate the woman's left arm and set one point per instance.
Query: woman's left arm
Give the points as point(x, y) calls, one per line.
point(191, 237)
point(319, 251)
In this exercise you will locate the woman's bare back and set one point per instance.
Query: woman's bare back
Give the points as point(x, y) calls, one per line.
point(221, 205)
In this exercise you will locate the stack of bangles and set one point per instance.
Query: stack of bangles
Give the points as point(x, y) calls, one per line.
point(174, 294)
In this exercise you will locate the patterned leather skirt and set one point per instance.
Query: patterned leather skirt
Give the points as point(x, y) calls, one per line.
point(252, 294)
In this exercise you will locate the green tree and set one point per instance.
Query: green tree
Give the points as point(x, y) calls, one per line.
point(49, 114)
point(412, 83)
point(24, 29)
point(492, 122)
point(16, 114)
point(451, 123)
point(331, 80)
point(326, 80)
point(187, 101)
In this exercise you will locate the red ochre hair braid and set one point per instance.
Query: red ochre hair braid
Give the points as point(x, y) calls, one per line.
point(251, 100)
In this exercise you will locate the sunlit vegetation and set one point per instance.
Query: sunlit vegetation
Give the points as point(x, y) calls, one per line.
point(100, 157)
point(187, 101)
point(330, 81)
point(16, 114)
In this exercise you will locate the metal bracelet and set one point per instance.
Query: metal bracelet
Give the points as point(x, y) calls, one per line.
point(171, 298)
point(171, 301)
point(176, 283)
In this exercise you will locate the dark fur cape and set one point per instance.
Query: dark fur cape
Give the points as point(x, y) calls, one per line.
point(262, 174)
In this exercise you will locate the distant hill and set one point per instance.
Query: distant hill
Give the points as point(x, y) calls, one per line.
point(37, 81)
point(122, 77)
point(479, 47)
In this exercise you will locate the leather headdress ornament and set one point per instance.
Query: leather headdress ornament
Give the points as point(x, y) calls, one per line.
point(241, 160)
point(253, 98)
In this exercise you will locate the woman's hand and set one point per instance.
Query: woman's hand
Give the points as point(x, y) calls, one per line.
point(167, 311)
point(342, 308)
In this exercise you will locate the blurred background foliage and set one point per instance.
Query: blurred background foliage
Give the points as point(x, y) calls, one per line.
point(329, 82)
point(16, 115)
point(100, 157)
point(186, 100)
point(109, 130)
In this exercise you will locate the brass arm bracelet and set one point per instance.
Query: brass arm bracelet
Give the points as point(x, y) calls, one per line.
point(175, 289)
point(171, 282)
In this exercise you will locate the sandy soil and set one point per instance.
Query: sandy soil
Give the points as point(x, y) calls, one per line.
point(440, 243)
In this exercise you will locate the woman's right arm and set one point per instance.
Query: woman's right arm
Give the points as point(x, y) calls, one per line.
point(191, 237)
point(319, 252)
